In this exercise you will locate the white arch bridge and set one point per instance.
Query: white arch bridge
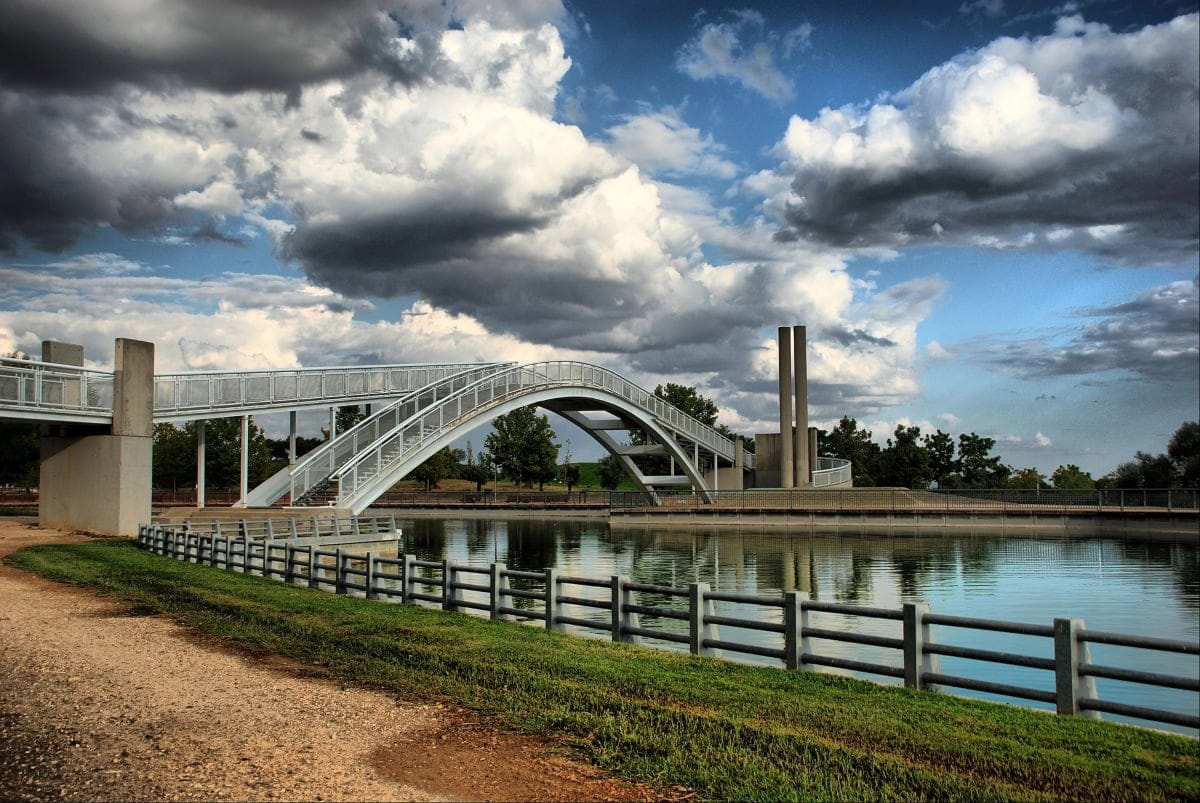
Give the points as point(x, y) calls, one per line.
point(424, 408)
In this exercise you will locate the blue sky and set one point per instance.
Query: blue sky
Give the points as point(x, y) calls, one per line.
point(985, 212)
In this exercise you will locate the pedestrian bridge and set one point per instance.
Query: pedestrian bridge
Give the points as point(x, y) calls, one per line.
point(424, 408)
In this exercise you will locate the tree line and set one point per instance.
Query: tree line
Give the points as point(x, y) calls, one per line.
point(913, 460)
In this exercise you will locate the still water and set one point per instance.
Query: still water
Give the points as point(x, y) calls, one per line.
point(1118, 585)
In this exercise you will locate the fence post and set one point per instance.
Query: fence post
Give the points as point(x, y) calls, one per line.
point(314, 567)
point(370, 584)
point(1069, 654)
point(552, 607)
point(497, 585)
point(793, 628)
point(629, 619)
point(700, 607)
point(449, 592)
point(339, 575)
point(289, 555)
point(622, 618)
point(917, 634)
point(410, 573)
point(292, 527)
point(615, 606)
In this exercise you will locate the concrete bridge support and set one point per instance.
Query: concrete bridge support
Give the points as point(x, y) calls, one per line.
point(98, 478)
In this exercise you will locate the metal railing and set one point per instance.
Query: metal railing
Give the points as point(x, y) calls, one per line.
point(293, 528)
point(327, 458)
point(689, 617)
point(50, 392)
point(1009, 501)
point(831, 471)
point(366, 471)
point(192, 394)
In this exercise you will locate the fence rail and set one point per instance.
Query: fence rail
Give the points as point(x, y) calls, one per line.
point(615, 607)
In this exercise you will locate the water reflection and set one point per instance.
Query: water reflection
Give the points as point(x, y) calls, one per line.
point(1146, 588)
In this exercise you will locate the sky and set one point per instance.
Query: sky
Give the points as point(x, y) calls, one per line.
point(985, 212)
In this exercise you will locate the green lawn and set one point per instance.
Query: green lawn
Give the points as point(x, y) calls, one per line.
point(729, 731)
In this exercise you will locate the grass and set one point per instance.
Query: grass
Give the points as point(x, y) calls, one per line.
point(729, 731)
point(18, 511)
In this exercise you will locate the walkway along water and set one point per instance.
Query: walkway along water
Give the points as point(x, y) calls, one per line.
point(617, 607)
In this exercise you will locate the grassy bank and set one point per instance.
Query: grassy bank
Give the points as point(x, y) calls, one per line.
point(728, 731)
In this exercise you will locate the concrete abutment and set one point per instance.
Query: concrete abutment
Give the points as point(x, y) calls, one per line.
point(96, 478)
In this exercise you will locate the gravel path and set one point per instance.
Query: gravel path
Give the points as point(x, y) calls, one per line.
point(97, 703)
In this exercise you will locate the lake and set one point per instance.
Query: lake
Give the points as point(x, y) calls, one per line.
point(1121, 585)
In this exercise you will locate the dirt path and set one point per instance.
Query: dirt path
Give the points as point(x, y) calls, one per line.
point(98, 704)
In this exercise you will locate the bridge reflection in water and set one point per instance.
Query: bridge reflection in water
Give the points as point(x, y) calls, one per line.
point(1151, 588)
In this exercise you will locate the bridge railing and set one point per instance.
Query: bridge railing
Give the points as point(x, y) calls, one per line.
point(323, 461)
point(191, 394)
point(496, 388)
point(831, 471)
point(48, 391)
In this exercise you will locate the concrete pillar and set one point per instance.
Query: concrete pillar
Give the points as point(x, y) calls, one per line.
point(200, 460)
point(97, 478)
point(292, 438)
point(800, 434)
point(785, 408)
point(244, 485)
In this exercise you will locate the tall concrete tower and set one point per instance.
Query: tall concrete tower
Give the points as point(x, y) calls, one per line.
point(794, 464)
point(786, 468)
point(800, 448)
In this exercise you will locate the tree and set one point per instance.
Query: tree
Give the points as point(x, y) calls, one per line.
point(942, 464)
point(344, 419)
point(570, 475)
point(904, 463)
point(977, 466)
point(20, 453)
point(1072, 477)
point(443, 464)
point(174, 460)
point(689, 400)
point(479, 471)
point(222, 454)
point(1184, 451)
point(1144, 471)
point(611, 472)
point(1029, 478)
point(849, 442)
point(522, 446)
point(20, 447)
point(569, 472)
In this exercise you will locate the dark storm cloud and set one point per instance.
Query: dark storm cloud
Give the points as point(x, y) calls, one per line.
point(225, 45)
point(48, 196)
point(852, 337)
point(384, 255)
point(1155, 336)
point(1086, 139)
point(74, 76)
